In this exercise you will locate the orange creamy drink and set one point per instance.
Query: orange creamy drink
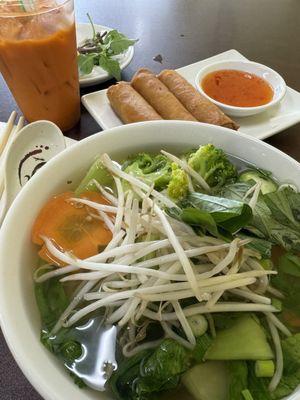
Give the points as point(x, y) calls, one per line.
point(38, 59)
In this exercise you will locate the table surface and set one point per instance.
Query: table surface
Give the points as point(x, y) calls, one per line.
point(183, 32)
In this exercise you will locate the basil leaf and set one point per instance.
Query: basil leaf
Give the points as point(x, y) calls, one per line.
point(290, 264)
point(281, 205)
point(273, 223)
point(193, 216)
point(86, 63)
point(262, 246)
point(118, 46)
point(231, 215)
point(110, 65)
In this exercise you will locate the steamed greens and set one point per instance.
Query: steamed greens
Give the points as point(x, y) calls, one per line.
point(178, 252)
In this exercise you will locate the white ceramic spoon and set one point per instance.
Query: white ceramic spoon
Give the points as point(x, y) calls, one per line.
point(31, 148)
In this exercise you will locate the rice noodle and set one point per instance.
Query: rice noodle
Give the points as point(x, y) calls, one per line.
point(219, 307)
point(142, 347)
point(94, 205)
point(254, 198)
point(184, 323)
point(120, 211)
point(135, 181)
point(279, 356)
point(279, 325)
point(171, 334)
point(251, 296)
point(110, 197)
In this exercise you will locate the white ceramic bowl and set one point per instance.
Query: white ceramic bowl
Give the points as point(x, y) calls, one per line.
point(272, 77)
point(19, 315)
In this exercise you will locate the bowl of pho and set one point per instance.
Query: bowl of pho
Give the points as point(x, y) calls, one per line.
point(157, 260)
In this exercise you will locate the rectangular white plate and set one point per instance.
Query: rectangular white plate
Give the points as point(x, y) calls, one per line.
point(261, 126)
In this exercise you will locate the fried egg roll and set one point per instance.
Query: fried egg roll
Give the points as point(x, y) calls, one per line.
point(199, 106)
point(129, 105)
point(159, 96)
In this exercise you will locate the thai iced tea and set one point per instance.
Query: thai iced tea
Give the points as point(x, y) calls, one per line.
point(38, 59)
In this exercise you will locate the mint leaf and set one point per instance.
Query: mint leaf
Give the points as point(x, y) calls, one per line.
point(110, 65)
point(86, 63)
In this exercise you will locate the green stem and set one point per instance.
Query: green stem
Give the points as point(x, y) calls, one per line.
point(93, 27)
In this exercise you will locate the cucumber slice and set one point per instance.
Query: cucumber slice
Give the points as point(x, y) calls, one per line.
point(244, 340)
point(208, 381)
point(100, 174)
point(268, 185)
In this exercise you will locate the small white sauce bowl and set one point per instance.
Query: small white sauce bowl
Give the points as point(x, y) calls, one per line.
point(272, 77)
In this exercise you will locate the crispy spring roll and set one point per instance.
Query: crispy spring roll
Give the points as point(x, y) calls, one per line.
point(200, 107)
point(129, 105)
point(159, 96)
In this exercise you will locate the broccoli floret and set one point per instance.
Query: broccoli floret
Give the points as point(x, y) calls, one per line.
point(179, 185)
point(152, 169)
point(213, 165)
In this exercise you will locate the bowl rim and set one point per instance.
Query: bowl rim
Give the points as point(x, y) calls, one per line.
point(6, 320)
point(202, 72)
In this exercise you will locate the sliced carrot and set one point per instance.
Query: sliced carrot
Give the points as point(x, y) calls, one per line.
point(71, 227)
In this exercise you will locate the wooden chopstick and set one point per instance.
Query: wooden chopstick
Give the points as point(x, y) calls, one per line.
point(8, 130)
point(19, 125)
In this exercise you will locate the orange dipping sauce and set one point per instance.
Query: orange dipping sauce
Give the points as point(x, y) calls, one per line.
point(237, 88)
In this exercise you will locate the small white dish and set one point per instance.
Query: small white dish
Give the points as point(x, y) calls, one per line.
point(98, 75)
point(260, 126)
point(272, 77)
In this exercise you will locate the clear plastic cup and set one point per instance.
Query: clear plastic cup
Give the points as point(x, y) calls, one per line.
point(38, 59)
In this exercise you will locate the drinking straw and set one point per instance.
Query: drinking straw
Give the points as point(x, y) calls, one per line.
point(30, 5)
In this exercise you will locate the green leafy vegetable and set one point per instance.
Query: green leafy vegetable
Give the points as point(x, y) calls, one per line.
point(262, 246)
point(101, 50)
point(163, 368)
point(202, 345)
point(230, 215)
point(286, 386)
point(213, 165)
point(238, 374)
point(110, 65)
point(288, 283)
point(290, 264)
point(148, 373)
point(269, 223)
point(258, 387)
point(51, 300)
point(117, 42)
point(291, 372)
point(86, 62)
point(200, 218)
point(123, 379)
